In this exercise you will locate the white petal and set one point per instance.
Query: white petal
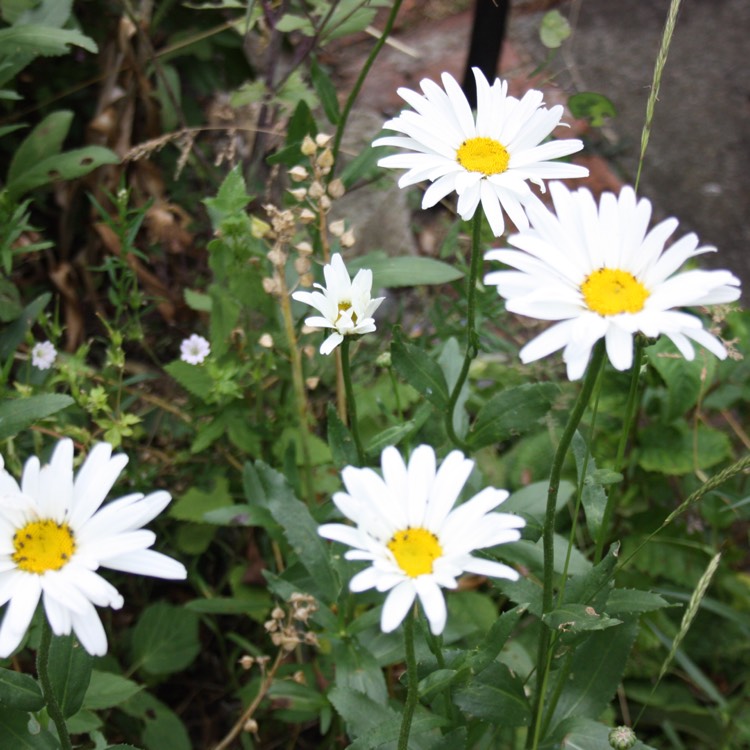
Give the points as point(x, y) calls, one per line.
point(18, 614)
point(147, 562)
point(90, 632)
point(396, 605)
point(433, 603)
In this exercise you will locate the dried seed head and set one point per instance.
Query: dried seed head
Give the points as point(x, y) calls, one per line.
point(324, 202)
point(250, 726)
point(278, 613)
point(299, 194)
point(304, 248)
point(298, 173)
point(306, 216)
point(316, 191)
point(325, 160)
point(308, 146)
point(266, 341)
point(337, 228)
point(302, 265)
point(336, 188)
point(347, 238)
point(299, 677)
point(323, 139)
point(247, 661)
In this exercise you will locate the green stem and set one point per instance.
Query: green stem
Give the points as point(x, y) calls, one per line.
point(351, 404)
point(42, 669)
point(548, 539)
point(472, 340)
point(411, 674)
point(361, 79)
point(630, 414)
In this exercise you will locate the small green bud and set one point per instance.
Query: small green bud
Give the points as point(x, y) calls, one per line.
point(622, 738)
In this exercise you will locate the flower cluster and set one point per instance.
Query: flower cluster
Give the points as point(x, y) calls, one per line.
point(55, 534)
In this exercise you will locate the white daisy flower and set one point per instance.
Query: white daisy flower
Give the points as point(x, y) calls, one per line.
point(194, 349)
point(487, 159)
point(414, 538)
point(344, 305)
point(601, 273)
point(43, 355)
point(54, 535)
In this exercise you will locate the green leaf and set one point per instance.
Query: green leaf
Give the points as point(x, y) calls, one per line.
point(575, 618)
point(326, 92)
point(15, 733)
point(20, 691)
point(300, 529)
point(343, 450)
point(531, 501)
point(595, 672)
point(681, 449)
point(14, 334)
point(37, 40)
point(511, 413)
point(195, 503)
point(400, 271)
point(496, 637)
point(19, 413)
point(107, 690)
point(632, 601)
point(592, 107)
point(420, 371)
point(45, 140)
point(390, 436)
point(439, 681)
point(358, 670)
point(554, 29)
point(70, 672)
point(226, 605)
point(497, 696)
point(197, 300)
point(231, 198)
point(163, 728)
point(165, 640)
point(593, 496)
point(193, 378)
point(10, 301)
point(592, 586)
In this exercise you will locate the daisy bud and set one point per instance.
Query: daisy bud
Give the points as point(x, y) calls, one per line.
point(336, 188)
point(308, 147)
point(323, 139)
point(337, 228)
point(622, 738)
point(298, 173)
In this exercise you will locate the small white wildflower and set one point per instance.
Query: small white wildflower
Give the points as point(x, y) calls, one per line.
point(194, 349)
point(43, 355)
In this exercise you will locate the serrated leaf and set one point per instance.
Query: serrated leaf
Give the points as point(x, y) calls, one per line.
point(69, 672)
point(107, 689)
point(163, 728)
point(20, 691)
point(510, 413)
point(595, 672)
point(576, 618)
point(231, 198)
point(165, 639)
point(497, 696)
point(496, 637)
point(420, 371)
point(591, 106)
point(300, 529)
point(632, 601)
point(195, 503)
point(192, 378)
point(578, 733)
point(20, 413)
point(358, 670)
point(554, 29)
point(401, 271)
point(47, 41)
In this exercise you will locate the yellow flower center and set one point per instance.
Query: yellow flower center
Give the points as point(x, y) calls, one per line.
point(43, 545)
point(415, 550)
point(343, 307)
point(485, 155)
point(610, 291)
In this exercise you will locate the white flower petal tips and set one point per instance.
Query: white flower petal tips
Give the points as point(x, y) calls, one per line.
point(487, 159)
point(416, 541)
point(344, 305)
point(54, 535)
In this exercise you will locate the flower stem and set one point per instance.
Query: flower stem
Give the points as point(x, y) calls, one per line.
point(361, 79)
point(548, 538)
point(411, 673)
point(472, 340)
point(42, 669)
point(351, 404)
point(630, 412)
